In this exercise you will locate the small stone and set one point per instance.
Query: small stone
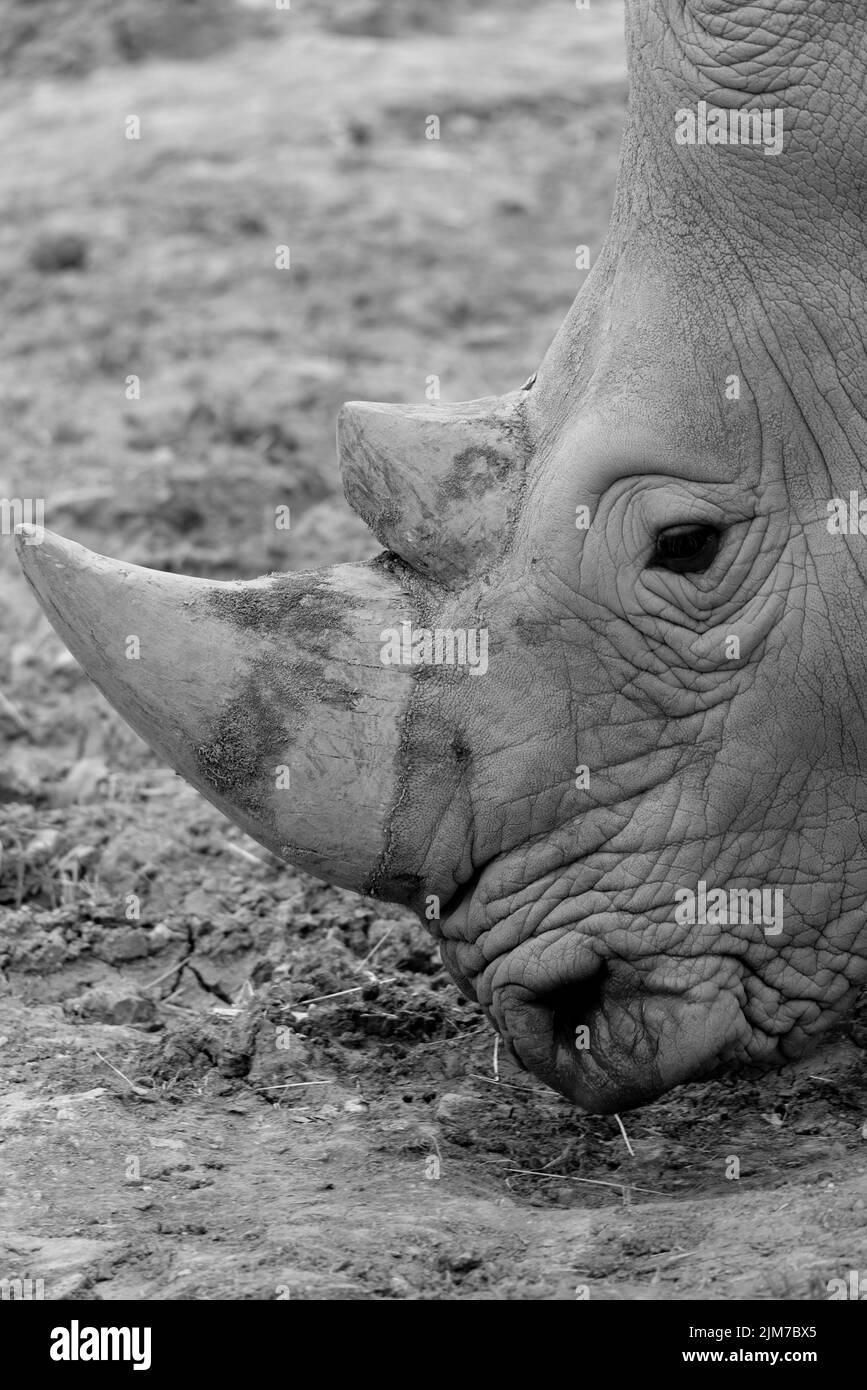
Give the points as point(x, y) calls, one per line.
point(105, 1004)
point(128, 944)
point(456, 1108)
point(198, 903)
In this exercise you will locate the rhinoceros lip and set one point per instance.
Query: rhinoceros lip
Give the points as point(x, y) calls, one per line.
point(538, 995)
point(540, 1030)
point(640, 1040)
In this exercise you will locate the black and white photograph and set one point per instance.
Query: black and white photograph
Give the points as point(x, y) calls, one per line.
point(433, 670)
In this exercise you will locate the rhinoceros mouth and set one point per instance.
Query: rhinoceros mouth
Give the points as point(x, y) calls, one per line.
point(608, 1030)
point(543, 997)
point(544, 1032)
point(548, 1034)
point(608, 1044)
point(596, 1030)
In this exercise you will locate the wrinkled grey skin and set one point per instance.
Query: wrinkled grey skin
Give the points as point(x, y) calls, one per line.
point(741, 772)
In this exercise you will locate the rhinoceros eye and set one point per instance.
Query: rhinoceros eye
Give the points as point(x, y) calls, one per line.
point(687, 549)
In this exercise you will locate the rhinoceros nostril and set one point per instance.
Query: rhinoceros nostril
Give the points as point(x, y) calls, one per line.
point(570, 1006)
point(551, 1032)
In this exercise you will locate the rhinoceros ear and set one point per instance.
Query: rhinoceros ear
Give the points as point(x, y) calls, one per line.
point(439, 485)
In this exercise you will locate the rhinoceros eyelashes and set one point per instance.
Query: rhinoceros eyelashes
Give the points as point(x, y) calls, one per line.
point(687, 549)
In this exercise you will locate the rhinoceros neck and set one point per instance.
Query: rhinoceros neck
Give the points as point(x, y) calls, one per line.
point(754, 118)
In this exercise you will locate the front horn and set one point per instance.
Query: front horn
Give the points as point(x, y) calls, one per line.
point(269, 695)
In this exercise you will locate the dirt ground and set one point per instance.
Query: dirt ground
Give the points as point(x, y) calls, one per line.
point(222, 1079)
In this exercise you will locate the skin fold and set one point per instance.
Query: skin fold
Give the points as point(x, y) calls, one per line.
point(717, 714)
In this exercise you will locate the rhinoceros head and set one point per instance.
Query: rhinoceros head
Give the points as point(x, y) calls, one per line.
point(597, 711)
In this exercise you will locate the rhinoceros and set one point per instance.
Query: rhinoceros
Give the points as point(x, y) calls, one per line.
point(595, 712)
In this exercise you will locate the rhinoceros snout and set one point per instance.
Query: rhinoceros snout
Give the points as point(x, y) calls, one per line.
point(589, 1026)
